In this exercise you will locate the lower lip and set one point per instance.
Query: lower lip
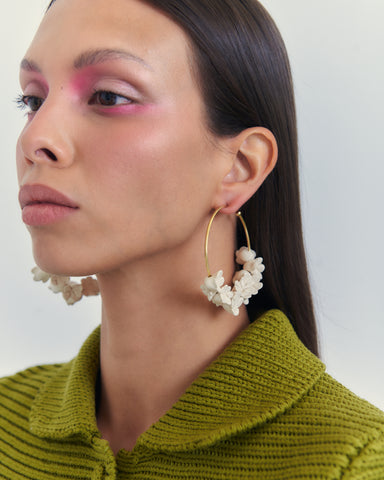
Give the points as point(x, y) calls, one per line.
point(45, 213)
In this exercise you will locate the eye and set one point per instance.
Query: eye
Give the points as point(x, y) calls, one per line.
point(108, 99)
point(33, 103)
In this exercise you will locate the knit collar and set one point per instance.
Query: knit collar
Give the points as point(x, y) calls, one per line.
point(261, 374)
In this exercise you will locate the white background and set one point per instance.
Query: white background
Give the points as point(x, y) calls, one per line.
point(336, 50)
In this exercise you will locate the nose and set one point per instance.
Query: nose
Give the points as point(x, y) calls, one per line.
point(47, 139)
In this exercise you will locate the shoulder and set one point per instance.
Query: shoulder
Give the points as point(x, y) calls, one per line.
point(28, 380)
point(18, 392)
point(334, 405)
point(334, 397)
point(323, 426)
point(23, 387)
point(356, 419)
point(342, 427)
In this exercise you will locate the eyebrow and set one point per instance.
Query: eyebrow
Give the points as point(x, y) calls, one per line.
point(29, 66)
point(91, 57)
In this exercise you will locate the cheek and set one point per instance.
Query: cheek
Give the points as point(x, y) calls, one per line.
point(143, 155)
point(117, 156)
point(160, 161)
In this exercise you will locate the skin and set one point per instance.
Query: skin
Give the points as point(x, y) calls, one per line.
point(146, 175)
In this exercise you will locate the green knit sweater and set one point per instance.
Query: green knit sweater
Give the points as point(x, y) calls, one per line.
point(265, 409)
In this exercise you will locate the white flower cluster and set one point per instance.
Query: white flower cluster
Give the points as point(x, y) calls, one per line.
point(247, 282)
point(72, 291)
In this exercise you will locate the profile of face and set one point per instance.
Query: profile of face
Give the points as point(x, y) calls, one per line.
point(116, 123)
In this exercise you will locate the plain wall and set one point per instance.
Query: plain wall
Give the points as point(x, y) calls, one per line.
point(336, 50)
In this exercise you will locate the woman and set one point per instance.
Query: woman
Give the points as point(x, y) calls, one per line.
point(148, 124)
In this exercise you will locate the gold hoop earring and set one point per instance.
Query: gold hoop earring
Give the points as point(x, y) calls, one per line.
point(247, 282)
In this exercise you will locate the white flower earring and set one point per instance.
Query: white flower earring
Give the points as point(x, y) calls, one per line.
point(72, 291)
point(247, 282)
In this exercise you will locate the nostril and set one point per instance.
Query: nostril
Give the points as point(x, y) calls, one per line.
point(47, 153)
point(51, 155)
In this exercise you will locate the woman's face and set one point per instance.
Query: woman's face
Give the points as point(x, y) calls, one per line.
point(116, 123)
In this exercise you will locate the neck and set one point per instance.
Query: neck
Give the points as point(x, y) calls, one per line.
point(158, 333)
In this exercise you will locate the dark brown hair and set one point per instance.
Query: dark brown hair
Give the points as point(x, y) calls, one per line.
point(244, 75)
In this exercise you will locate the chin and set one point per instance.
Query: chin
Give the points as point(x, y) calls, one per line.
point(63, 270)
point(61, 263)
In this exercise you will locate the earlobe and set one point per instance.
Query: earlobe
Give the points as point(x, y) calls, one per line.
point(255, 155)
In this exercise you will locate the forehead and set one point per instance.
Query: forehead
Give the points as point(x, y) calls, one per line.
point(71, 27)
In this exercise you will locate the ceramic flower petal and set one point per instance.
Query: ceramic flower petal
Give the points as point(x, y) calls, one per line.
point(239, 275)
point(58, 283)
point(254, 266)
point(226, 294)
point(246, 283)
point(72, 292)
point(231, 309)
point(208, 290)
point(246, 286)
point(39, 275)
point(90, 286)
point(244, 255)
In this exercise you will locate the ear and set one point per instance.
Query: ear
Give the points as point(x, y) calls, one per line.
point(254, 154)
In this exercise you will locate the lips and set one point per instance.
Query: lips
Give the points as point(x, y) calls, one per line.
point(42, 205)
point(35, 194)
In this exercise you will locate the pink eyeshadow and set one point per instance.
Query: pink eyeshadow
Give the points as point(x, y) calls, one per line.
point(81, 81)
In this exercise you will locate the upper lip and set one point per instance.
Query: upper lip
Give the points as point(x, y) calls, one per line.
point(34, 194)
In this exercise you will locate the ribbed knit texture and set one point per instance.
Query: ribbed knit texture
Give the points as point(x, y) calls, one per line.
point(264, 410)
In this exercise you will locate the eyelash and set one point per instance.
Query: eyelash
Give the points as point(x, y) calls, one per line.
point(22, 100)
point(97, 93)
